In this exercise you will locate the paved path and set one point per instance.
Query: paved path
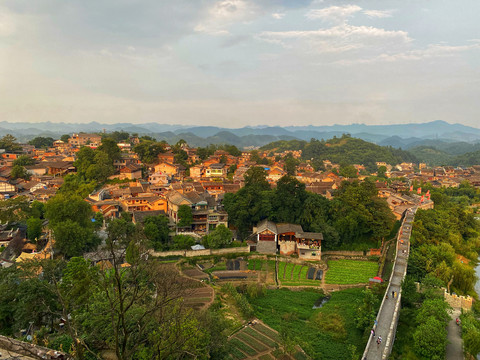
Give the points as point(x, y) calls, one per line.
point(389, 310)
point(455, 346)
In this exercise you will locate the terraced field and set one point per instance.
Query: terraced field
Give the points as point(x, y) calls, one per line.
point(350, 271)
point(258, 341)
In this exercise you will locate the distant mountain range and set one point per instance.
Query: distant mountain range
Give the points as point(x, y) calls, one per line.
point(405, 136)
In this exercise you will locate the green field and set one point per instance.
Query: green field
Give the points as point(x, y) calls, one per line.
point(293, 311)
point(350, 271)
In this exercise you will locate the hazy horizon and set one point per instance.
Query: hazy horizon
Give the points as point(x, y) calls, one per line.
point(236, 63)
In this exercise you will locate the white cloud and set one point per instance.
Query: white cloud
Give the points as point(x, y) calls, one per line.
point(339, 38)
point(431, 51)
point(378, 13)
point(225, 13)
point(278, 16)
point(335, 14)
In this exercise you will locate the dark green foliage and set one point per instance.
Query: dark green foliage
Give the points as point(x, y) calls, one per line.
point(109, 147)
point(185, 216)
point(440, 234)
point(34, 228)
point(71, 239)
point(24, 160)
point(430, 339)
point(348, 150)
point(42, 142)
point(65, 138)
point(8, 142)
point(118, 136)
point(182, 242)
point(16, 209)
point(156, 230)
point(148, 150)
point(19, 172)
point(220, 237)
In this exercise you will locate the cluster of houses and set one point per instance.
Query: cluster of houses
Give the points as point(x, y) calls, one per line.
point(165, 185)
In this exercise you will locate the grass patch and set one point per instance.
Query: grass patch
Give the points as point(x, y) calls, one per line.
point(237, 354)
point(266, 357)
point(281, 269)
point(251, 342)
point(260, 337)
point(288, 271)
point(350, 271)
point(292, 311)
point(266, 331)
point(242, 346)
point(296, 272)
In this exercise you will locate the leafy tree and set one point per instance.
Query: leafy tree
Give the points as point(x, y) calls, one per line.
point(65, 138)
point(220, 237)
point(74, 184)
point(118, 136)
point(61, 208)
point(156, 230)
point(42, 142)
point(71, 239)
point(183, 242)
point(185, 216)
point(381, 172)
point(367, 311)
point(290, 165)
point(430, 339)
point(8, 142)
point(37, 209)
point(109, 146)
point(34, 228)
point(256, 176)
point(15, 209)
point(348, 171)
point(85, 158)
point(101, 168)
point(23, 160)
point(148, 150)
point(288, 201)
point(19, 172)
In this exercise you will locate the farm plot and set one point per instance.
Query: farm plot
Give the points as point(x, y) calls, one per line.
point(258, 341)
point(300, 275)
point(350, 271)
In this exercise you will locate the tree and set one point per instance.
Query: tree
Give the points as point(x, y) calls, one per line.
point(221, 236)
point(42, 142)
point(183, 242)
point(85, 158)
point(62, 207)
point(185, 216)
point(101, 168)
point(430, 339)
point(381, 172)
point(288, 201)
point(290, 165)
point(110, 147)
point(65, 138)
point(23, 160)
point(366, 311)
point(15, 209)
point(71, 239)
point(256, 176)
point(8, 142)
point(34, 228)
point(19, 172)
point(156, 230)
point(348, 171)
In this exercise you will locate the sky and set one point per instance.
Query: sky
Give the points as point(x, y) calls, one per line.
point(235, 63)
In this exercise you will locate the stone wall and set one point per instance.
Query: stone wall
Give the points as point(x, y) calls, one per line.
point(206, 252)
point(458, 301)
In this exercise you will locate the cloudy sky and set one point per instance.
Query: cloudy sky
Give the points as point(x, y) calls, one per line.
point(233, 63)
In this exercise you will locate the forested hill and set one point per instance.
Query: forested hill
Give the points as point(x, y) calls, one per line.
point(344, 150)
